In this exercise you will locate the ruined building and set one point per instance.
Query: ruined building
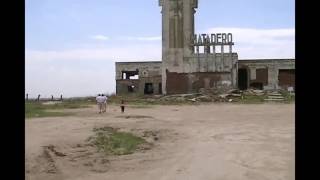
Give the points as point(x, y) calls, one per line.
point(190, 62)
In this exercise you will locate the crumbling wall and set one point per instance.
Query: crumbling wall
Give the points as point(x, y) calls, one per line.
point(122, 86)
point(180, 83)
point(210, 62)
point(148, 72)
point(258, 67)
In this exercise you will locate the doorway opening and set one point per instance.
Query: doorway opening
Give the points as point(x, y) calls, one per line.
point(243, 79)
point(160, 88)
point(148, 88)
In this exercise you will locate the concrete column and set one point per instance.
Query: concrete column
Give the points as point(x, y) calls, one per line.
point(272, 77)
point(222, 58)
point(214, 58)
point(253, 75)
point(188, 26)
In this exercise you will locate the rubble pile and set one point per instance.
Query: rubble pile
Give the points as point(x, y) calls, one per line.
point(226, 95)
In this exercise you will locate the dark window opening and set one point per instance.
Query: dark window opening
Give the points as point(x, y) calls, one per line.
point(130, 74)
point(148, 88)
point(242, 79)
point(160, 88)
point(257, 85)
point(131, 88)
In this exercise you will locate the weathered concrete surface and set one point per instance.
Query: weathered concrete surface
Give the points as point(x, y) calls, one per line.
point(182, 58)
point(179, 83)
point(148, 72)
point(178, 54)
point(273, 66)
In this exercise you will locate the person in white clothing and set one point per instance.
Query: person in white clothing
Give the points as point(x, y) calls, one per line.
point(105, 98)
point(100, 102)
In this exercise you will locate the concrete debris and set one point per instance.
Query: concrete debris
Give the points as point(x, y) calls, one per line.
point(274, 96)
point(257, 91)
point(193, 99)
point(236, 95)
point(224, 95)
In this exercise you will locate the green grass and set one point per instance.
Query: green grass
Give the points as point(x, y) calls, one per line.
point(34, 109)
point(251, 99)
point(288, 97)
point(110, 141)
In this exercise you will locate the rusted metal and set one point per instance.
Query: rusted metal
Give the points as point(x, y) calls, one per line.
point(178, 83)
point(286, 78)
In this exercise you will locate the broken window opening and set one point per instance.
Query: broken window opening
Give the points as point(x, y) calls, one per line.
point(148, 88)
point(130, 74)
point(134, 77)
point(131, 88)
point(124, 75)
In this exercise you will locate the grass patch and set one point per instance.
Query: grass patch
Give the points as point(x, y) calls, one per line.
point(113, 142)
point(289, 98)
point(35, 109)
point(71, 104)
point(251, 99)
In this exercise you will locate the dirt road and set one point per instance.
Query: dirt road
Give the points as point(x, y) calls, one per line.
point(204, 142)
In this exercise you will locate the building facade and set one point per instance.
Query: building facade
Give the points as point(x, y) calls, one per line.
point(190, 62)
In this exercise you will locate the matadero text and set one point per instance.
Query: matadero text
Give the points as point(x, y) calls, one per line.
point(213, 39)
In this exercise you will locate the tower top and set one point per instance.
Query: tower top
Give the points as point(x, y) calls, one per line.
point(194, 3)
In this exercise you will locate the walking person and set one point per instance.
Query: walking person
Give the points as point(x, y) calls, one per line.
point(105, 98)
point(100, 101)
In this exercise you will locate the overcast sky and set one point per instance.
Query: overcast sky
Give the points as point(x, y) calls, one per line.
point(72, 45)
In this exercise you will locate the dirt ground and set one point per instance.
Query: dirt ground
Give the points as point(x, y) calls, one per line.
point(204, 142)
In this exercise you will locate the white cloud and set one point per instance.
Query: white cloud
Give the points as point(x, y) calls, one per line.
point(80, 72)
point(100, 37)
point(261, 43)
point(54, 79)
point(151, 38)
point(124, 53)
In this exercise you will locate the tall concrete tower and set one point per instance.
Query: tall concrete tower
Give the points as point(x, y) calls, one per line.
point(177, 33)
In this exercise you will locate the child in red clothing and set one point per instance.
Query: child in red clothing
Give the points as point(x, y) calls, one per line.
point(122, 106)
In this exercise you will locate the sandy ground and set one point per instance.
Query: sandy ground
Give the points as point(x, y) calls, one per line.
point(204, 142)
